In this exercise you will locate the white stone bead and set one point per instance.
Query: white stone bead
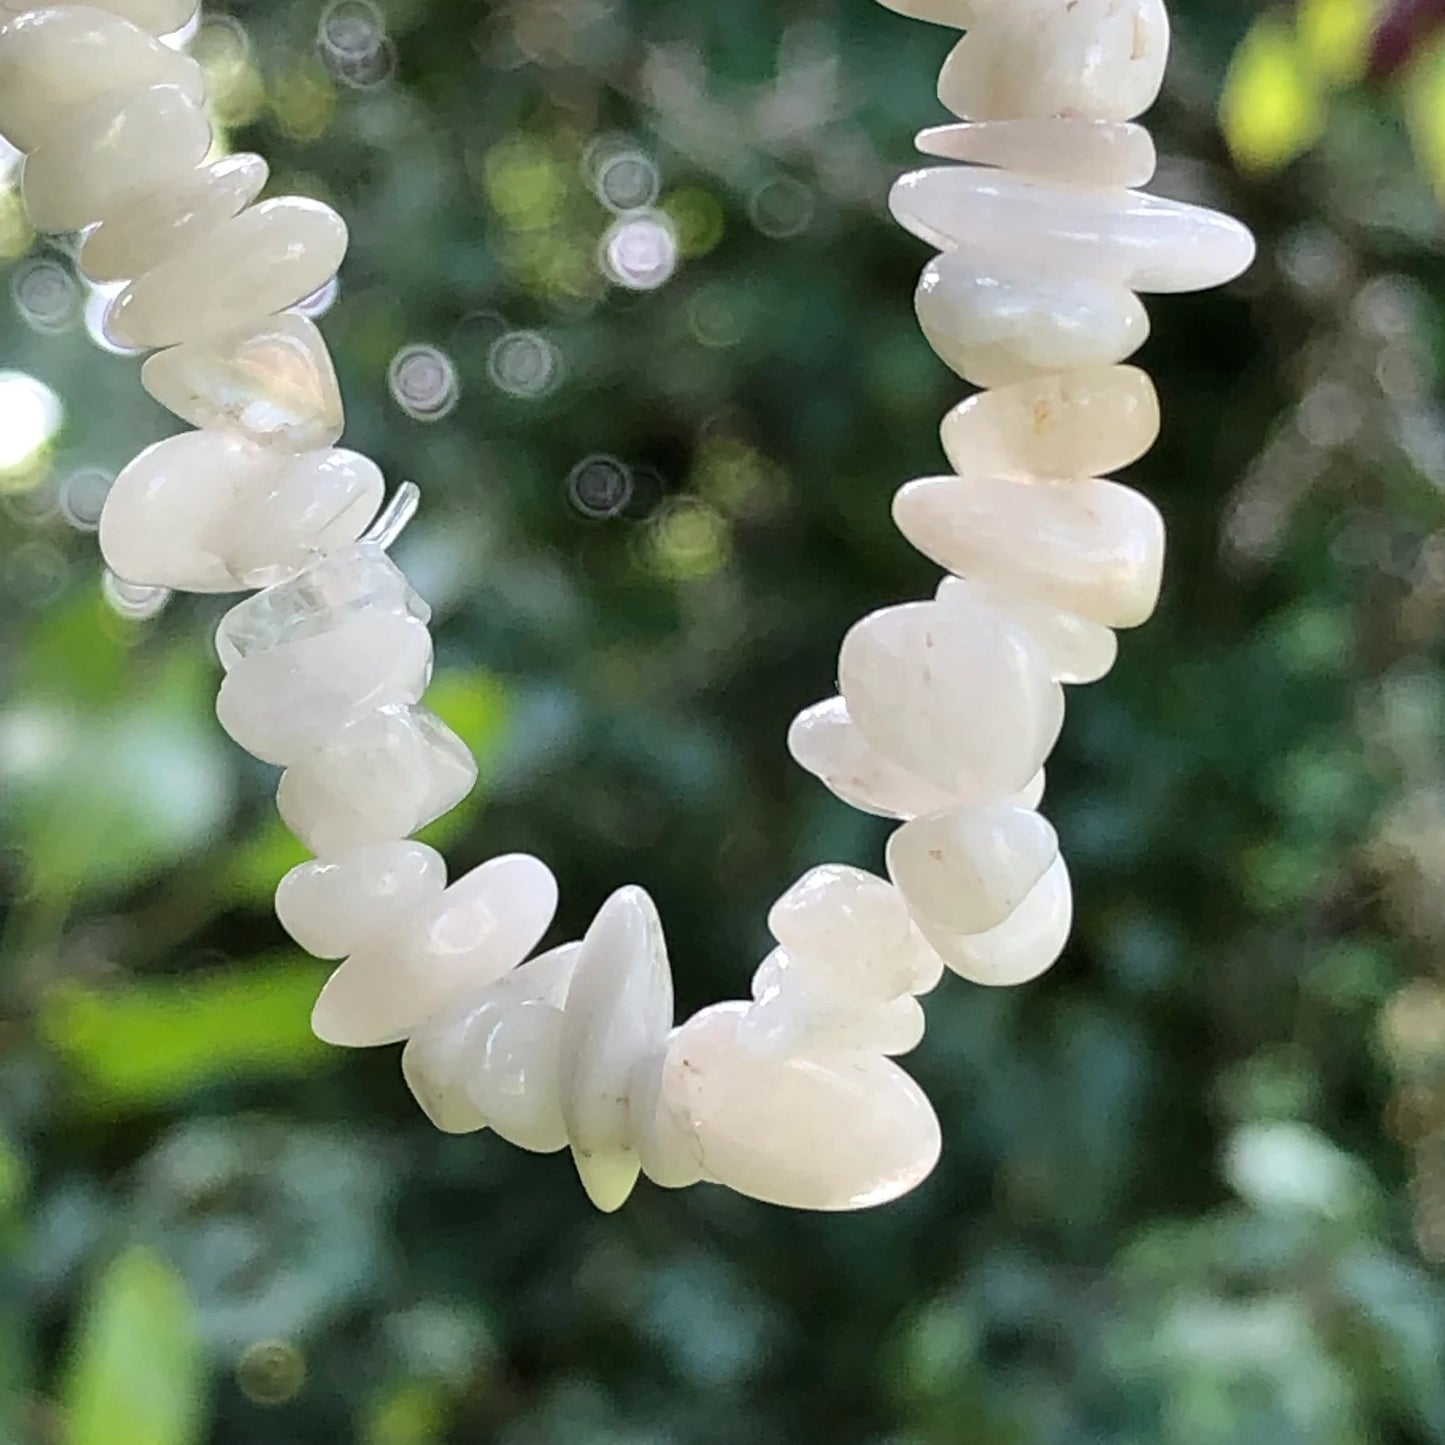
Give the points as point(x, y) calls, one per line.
point(799, 1008)
point(271, 381)
point(544, 979)
point(54, 60)
point(516, 1082)
point(968, 869)
point(666, 1149)
point(955, 13)
point(1093, 548)
point(439, 1064)
point(111, 152)
point(333, 906)
point(825, 742)
point(135, 237)
point(853, 930)
point(826, 1132)
point(385, 775)
point(996, 320)
point(957, 695)
point(286, 703)
point(619, 1009)
point(1085, 152)
point(158, 17)
point(260, 262)
point(1143, 242)
point(443, 959)
point(1072, 425)
point(1096, 59)
point(1025, 945)
point(211, 512)
point(1078, 651)
point(348, 582)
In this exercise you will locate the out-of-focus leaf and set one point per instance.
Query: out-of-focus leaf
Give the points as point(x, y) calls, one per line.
point(150, 1043)
point(1334, 38)
point(137, 1376)
point(1272, 109)
point(1424, 101)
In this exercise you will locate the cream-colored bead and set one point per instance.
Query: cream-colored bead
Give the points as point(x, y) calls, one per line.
point(997, 321)
point(157, 17)
point(1084, 152)
point(1096, 59)
point(110, 152)
point(271, 381)
point(1093, 548)
point(1142, 242)
point(138, 236)
point(955, 13)
point(1074, 424)
point(260, 262)
point(56, 59)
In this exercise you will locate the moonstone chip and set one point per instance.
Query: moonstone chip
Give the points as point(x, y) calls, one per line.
point(1093, 549)
point(517, 1086)
point(341, 584)
point(385, 775)
point(135, 237)
point(666, 1152)
point(956, 13)
point(957, 695)
point(1078, 650)
point(1085, 152)
point(1143, 242)
point(159, 17)
point(854, 931)
point(212, 512)
point(968, 869)
point(258, 263)
point(1096, 59)
point(111, 152)
point(799, 1009)
point(333, 906)
point(439, 1063)
point(825, 742)
point(619, 1009)
point(464, 941)
point(995, 320)
point(54, 60)
point(1026, 944)
point(284, 704)
point(271, 381)
point(1076, 424)
point(826, 1132)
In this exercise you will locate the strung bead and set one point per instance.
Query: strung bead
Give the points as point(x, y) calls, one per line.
point(110, 152)
point(1077, 650)
point(258, 263)
point(666, 1147)
point(956, 13)
point(968, 869)
point(826, 1131)
point(1134, 240)
point(619, 1009)
point(271, 381)
point(995, 320)
point(54, 60)
point(1075, 424)
point(332, 906)
point(1085, 152)
point(285, 704)
point(159, 17)
point(384, 775)
point(1099, 59)
point(1025, 945)
point(445, 954)
point(209, 512)
point(137, 236)
point(957, 695)
point(1093, 548)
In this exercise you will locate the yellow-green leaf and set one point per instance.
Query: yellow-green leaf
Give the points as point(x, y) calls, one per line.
point(1334, 38)
point(1424, 101)
point(137, 1375)
point(1272, 109)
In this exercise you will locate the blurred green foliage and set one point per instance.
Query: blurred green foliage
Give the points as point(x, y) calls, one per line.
point(1194, 1182)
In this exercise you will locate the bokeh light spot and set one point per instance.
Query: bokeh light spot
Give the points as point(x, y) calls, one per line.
point(423, 382)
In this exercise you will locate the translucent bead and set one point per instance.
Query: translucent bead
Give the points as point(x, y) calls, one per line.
point(349, 582)
point(157, 17)
point(516, 1085)
point(1084, 152)
point(439, 1063)
point(285, 703)
point(332, 906)
point(55, 59)
point(385, 775)
point(110, 152)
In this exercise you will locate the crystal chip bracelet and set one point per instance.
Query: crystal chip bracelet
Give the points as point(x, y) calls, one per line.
point(948, 707)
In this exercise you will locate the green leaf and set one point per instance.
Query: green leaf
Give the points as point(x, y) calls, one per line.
point(1272, 108)
point(137, 1375)
point(1424, 101)
point(150, 1043)
point(1334, 38)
